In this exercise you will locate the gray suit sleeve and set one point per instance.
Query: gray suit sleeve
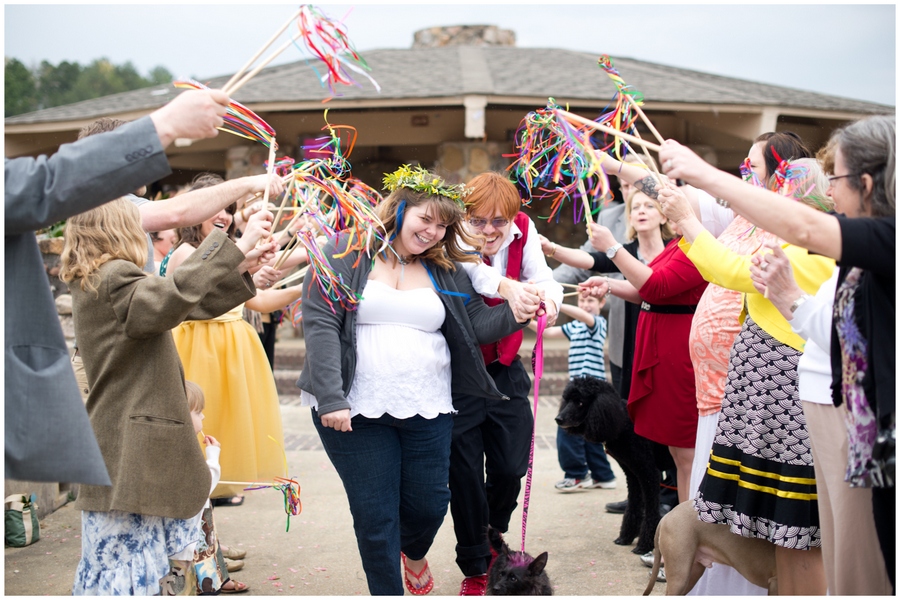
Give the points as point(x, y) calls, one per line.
point(82, 175)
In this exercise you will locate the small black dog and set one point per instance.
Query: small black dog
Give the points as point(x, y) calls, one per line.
point(515, 573)
point(592, 409)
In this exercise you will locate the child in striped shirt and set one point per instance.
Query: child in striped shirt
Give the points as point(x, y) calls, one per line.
point(586, 335)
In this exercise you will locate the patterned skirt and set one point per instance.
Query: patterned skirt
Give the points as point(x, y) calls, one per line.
point(125, 554)
point(760, 479)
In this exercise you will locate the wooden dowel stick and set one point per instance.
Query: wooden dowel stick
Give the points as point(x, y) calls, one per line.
point(609, 130)
point(570, 294)
point(644, 118)
point(295, 241)
point(252, 60)
point(235, 87)
point(587, 209)
point(569, 285)
point(293, 277)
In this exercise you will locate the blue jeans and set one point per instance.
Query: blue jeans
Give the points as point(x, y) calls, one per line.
point(577, 457)
point(395, 473)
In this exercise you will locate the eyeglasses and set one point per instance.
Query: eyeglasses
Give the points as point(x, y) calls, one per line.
point(834, 178)
point(495, 223)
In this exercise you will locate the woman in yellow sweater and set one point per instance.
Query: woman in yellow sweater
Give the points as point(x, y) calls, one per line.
point(760, 479)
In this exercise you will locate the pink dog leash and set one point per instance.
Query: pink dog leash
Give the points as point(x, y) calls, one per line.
point(537, 367)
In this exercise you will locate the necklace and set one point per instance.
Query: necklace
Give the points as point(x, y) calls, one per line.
point(405, 260)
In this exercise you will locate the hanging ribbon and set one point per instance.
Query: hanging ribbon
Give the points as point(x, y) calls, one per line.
point(537, 367)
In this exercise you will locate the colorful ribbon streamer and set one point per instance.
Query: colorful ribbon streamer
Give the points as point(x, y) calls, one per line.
point(239, 119)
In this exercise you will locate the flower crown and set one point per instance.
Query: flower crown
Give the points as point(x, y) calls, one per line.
point(420, 180)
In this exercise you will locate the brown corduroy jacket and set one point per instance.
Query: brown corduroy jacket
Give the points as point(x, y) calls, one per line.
point(137, 403)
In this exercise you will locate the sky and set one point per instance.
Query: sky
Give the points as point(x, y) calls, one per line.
point(846, 50)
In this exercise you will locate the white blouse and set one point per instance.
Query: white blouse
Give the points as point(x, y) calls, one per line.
point(402, 358)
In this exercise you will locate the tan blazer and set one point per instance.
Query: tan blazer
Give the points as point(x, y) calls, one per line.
point(137, 404)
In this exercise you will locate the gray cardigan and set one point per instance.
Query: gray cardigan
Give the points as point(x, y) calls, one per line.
point(330, 364)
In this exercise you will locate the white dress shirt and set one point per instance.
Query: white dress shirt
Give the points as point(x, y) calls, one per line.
point(486, 278)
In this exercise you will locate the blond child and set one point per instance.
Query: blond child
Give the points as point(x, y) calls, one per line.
point(201, 568)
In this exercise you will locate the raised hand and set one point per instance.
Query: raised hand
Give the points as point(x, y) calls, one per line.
point(194, 114)
point(675, 205)
point(602, 238)
point(266, 276)
point(597, 287)
point(680, 162)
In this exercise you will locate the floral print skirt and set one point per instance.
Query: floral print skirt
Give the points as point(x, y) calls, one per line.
point(125, 554)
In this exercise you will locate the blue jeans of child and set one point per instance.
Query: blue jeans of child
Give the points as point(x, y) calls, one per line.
point(577, 457)
point(395, 473)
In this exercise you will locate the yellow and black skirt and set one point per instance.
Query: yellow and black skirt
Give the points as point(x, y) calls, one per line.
point(760, 479)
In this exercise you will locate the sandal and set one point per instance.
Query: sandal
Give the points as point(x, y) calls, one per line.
point(237, 587)
point(228, 501)
point(417, 590)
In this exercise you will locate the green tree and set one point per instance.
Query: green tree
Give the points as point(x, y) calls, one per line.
point(51, 85)
point(55, 83)
point(20, 91)
point(160, 75)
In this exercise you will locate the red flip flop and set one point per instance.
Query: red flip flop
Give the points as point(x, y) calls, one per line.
point(414, 590)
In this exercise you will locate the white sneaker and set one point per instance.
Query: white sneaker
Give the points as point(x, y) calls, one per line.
point(572, 485)
point(661, 576)
point(602, 485)
point(647, 559)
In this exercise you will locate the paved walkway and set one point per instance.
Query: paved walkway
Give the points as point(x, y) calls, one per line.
point(318, 555)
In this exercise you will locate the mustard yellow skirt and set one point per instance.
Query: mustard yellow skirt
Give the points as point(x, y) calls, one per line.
point(227, 360)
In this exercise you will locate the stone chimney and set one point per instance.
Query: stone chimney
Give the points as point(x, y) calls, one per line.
point(464, 35)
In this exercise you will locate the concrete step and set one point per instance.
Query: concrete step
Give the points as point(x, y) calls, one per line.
point(551, 385)
point(556, 360)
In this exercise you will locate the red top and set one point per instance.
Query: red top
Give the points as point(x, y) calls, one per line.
point(663, 400)
point(507, 349)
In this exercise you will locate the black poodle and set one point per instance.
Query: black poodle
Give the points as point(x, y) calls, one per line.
point(592, 409)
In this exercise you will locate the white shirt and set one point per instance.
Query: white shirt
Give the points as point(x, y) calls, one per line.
point(486, 278)
point(714, 216)
point(812, 322)
point(402, 358)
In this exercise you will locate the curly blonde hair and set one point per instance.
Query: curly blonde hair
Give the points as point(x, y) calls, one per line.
point(446, 210)
point(93, 238)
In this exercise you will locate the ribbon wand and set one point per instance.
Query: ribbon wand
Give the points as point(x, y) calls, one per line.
point(237, 75)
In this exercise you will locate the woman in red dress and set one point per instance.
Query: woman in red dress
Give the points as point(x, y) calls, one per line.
point(662, 401)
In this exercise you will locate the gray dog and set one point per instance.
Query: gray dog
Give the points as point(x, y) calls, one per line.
point(690, 545)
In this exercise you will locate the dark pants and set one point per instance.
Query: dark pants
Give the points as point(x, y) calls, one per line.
point(488, 458)
point(884, 507)
point(616, 372)
point(267, 337)
point(577, 457)
point(395, 474)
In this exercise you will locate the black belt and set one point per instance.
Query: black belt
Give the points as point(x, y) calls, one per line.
point(669, 309)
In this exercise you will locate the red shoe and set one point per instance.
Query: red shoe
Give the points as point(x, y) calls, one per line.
point(473, 586)
point(417, 589)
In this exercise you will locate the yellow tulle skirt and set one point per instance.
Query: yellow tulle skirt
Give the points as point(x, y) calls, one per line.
point(227, 360)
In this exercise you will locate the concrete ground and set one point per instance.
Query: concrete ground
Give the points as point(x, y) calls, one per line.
point(318, 556)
